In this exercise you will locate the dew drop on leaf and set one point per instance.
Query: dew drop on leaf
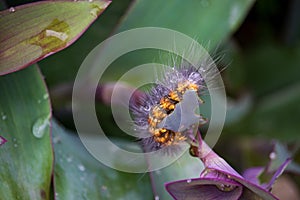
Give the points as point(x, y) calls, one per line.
point(69, 159)
point(3, 116)
point(46, 96)
point(40, 126)
point(272, 155)
point(56, 139)
point(81, 167)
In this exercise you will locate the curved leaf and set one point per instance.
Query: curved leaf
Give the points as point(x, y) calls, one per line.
point(79, 176)
point(26, 158)
point(34, 31)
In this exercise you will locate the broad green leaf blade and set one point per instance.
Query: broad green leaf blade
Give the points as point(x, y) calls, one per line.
point(26, 158)
point(34, 31)
point(77, 175)
point(206, 20)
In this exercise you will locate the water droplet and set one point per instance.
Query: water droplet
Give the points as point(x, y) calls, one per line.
point(56, 139)
point(12, 9)
point(105, 192)
point(81, 167)
point(4, 117)
point(90, 1)
point(69, 159)
point(272, 155)
point(156, 197)
point(46, 96)
point(39, 101)
point(226, 188)
point(103, 187)
point(56, 196)
point(189, 180)
point(15, 145)
point(40, 126)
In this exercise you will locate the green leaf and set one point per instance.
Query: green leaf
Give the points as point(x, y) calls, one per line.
point(274, 116)
point(34, 31)
point(26, 158)
point(205, 20)
point(79, 176)
point(266, 62)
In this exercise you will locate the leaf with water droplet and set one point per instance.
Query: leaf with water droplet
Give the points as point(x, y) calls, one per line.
point(3, 116)
point(34, 31)
point(26, 162)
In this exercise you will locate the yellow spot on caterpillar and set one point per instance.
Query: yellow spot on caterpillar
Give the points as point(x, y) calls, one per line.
point(166, 105)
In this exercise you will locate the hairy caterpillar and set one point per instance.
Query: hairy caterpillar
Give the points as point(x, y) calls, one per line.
point(153, 107)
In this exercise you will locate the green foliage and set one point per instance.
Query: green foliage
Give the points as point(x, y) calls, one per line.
point(261, 81)
point(26, 159)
